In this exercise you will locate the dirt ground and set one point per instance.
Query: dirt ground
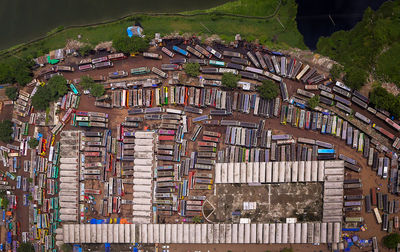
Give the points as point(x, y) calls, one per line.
point(273, 202)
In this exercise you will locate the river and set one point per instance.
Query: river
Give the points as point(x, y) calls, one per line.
point(23, 20)
point(313, 17)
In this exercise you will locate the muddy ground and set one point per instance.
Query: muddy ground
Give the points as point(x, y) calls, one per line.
point(116, 116)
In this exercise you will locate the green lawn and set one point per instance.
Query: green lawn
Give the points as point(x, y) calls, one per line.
point(268, 31)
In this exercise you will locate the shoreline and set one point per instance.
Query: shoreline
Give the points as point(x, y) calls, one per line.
point(186, 14)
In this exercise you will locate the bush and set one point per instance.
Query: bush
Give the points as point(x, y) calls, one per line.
point(33, 143)
point(313, 102)
point(125, 44)
point(268, 90)
point(229, 80)
point(192, 69)
point(6, 131)
point(390, 241)
point(12, 93)
point(287, 250)
point(388, 66)
point(85, 50)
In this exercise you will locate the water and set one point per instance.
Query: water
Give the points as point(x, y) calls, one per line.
point(23, 20)
point(313, 20)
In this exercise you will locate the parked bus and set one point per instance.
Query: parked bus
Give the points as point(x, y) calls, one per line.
point(152, 55)
point(140, 70)
point(181, 51)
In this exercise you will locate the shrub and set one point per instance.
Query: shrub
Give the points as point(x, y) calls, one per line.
point(268, 90)
point(12, 93)
point(6, 131)
point(192, 69)
point(33, 143)
point(229, 80)
point(390, 241)
point(314, 101)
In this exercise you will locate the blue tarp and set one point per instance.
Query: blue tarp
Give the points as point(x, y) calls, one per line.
point(134, 31)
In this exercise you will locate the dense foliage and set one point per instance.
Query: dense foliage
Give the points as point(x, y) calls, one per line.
point(357, 49)
point(16, 70)
point(95, 89)
point(192, 69)
point(388, 64)
point(390, 241)
point(6, 131)
point(384, 100)
point(336, 71)
point(125, 44)
point(268, 90)
point(313, 101)
point(230, 80)
point(33, 143)
point(12, 93)
point(55, 88)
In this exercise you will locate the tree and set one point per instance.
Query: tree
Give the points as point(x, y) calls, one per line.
point(390, 241)
point(355, 77)
point(387, 65)
point(26, 247)
point(42, 98)
point(33, 143)
point(313, 101)
point(336, 71)
point(97, 90)
point(86, 82)
point(16, 70)
point(12, 93)
point(125, 44)
point(268, 90)
point(6, 131)
point(229, 80)
point(85, 50)
point(57, 86)
point(192, 69)
point(384, 100)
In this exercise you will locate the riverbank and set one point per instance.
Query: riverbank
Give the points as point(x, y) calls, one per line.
point(271, 22)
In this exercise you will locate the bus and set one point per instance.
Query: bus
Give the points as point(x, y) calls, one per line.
point(72, 86)
point(377, 216)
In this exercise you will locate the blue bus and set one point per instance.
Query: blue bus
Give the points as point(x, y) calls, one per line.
point(326, 151)
point(181, 51)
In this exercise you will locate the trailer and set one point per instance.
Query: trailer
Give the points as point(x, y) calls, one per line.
point(140, 70)
point(383, 131)
point(362, 118)
point(159, 72)
point(214, 52)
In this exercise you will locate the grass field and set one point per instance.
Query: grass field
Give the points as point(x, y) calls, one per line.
point(269, 31)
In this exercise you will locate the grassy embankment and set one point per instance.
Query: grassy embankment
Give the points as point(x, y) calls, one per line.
point(268, 30)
